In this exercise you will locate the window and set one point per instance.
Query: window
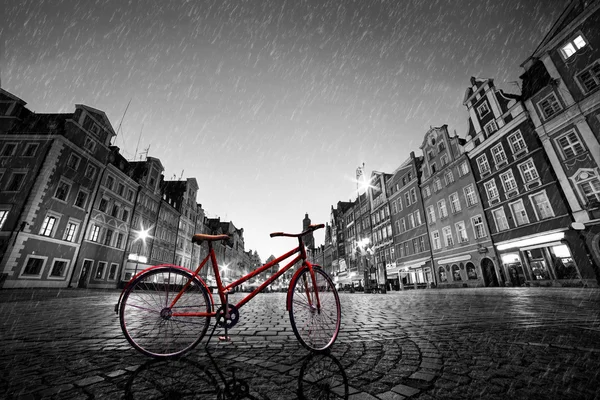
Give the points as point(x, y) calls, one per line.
point(30, 149)
point(590, 77)
point(483, 109)
point(570, 145)
point(541, 205)
point(490, 127)
point(34, 266)
point(3, 216)
point(549, 105)
point(572, 46)
point(402, 225)
point(418, 218)
point(427, 191)
point(448, 239)
point(59, 268)
point(590, 189)
point(48, 225)
point(108, 237)
point(125, 216)
point(130, 195)
point(110, 181)
point(421, 243)
point(115, 210)
point(433, 168)
point(500, 219)
point(70, 231)
point(516, 143)
point(461, 232)
point(74, 161)
point(430, 214)
point(89, 145)
point(100, 269)
point(399, 202)
point(508, 181)
point(112, 274)
point(120, 189)
point(435, 240)
point(442, 209)
point(463, 169)
point(415, 243)
point(411, 221)
point(437, 185)
point(470, 195)
point(413, 195)
point(454, 203)
point(94, 233)
point(103, 204)
point(499, 154)
point(528, 171)
point(62, 191)
point(478, 227)
point(442, 274)
point(441, 146)
point(9, 150)
point(471, 271)
point(81, 199)
point(519, 213)
point(407, 199)
point(444, 159)
point(449, 177)
point(90, 171)
point(491, 190)
point(482, 163)
point(15, 181)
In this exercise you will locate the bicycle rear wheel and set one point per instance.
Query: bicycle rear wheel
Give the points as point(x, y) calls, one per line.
point(146, 317)
point(315, 328)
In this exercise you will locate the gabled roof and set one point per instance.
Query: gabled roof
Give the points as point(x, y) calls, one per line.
point(478, 83)
point(99, 115)
point(11, 96)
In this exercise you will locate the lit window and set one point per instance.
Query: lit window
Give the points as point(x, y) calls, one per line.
point(94, 233)
point(413, 195)
point(519, 213)
point(70, 231)
point(48, 225)
point(541, 206)
point(478, 227)
point(508, 181)
point(3, 216)
point(500, 219)
point(448, 239)
point(570, 145)
point(571, 47)
point(549, 105)
point(482, 163)
point(435, 240)
point(418, 218)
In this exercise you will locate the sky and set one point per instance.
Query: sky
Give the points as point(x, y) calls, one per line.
point(271, 105)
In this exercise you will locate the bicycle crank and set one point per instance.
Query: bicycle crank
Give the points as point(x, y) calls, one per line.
point(228, 321)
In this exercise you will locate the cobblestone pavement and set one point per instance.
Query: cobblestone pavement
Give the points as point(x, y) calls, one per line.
point(521, 343)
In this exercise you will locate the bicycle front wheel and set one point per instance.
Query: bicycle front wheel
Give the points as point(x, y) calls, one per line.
point(315, 325)
point(147, 318)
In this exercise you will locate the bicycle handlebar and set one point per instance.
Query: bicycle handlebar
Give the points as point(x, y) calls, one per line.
point(308, 230)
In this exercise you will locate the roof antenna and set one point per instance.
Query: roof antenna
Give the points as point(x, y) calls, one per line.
point(138, 143)
point(122, 118)
point(181, 177)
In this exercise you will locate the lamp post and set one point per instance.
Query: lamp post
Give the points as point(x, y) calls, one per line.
point(141, 236)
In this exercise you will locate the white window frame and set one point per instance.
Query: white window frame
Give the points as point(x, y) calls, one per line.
point(448, 238)
point(70, 223)
point(435, 240)
point(517, 143)
point(64, 275)
point(94, 235)
point(594, 71)
point(593, 180)
point(455, 206)
point(3, 216)
point(431, 214)
point(482, 225)
point(523, 173)
point(483, 109)
point(448, 174)
point(427, 191)
point(512, 211)
point(38, 276)
point(463, 171)
point(491, 190)
point(54, 227)
point(534, 205)
point(461, 228)
point(508, 179)
point(573, 45)
point(490, 127)
point(552, 105)
point(473, 192)
point(499, 155)
point(87, 198)
point(441, 205)
point(575, 146)
point(483, 164)
point(101, 278)
point(11, 177)
point(66, 182)
point(502, 218)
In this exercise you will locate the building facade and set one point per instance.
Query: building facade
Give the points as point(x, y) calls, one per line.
point(561, 90)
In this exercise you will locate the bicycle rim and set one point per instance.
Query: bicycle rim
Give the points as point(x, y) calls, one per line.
point(315, 329)
point(145, 319)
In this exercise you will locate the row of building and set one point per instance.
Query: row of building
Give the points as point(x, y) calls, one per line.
point(516, 202)
point(75, 213)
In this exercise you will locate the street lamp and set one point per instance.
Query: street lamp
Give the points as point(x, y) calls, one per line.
point(141, 236)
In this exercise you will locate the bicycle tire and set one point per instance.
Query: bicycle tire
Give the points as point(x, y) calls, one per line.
point(316, 330)
point(148, 326)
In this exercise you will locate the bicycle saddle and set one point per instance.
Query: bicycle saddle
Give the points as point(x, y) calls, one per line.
point(200, 237)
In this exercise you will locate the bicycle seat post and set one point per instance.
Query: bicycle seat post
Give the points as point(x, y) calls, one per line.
point(226, 317)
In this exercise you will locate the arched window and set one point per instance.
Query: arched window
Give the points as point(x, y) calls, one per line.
point(456, 273)
point(471, 271)
point(442, 273)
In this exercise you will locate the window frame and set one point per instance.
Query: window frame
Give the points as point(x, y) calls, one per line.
point(504, 181)
point(64, 274)
point(460, 226)
point(512, 211)
point(500, 209)
point(435, 240)
point(534, 205)
point(66, 182)
point(519, 139)
point(554, 112)
point(482, 225)
point(490, 132)
point(452, 203)
point(42, 268)
point(11, 179)
point(44, 228)
point(594, 70)
point(523, 173)
point(482, 106)
point(571, 145)
point(474, 193)
point(482, 162)
point(572, 41)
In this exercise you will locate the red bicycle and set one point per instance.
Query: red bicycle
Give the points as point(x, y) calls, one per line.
point(165, 310)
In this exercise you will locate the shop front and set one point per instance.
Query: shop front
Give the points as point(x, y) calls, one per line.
point(474, 269)
point(544, 260)
point(415, 274)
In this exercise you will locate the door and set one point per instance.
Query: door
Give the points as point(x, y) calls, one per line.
point(85, 274)
point(489, 273)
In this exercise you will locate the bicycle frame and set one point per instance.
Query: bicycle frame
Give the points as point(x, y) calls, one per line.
point(223, 291)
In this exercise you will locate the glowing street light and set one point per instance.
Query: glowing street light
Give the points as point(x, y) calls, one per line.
point(140, 235)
